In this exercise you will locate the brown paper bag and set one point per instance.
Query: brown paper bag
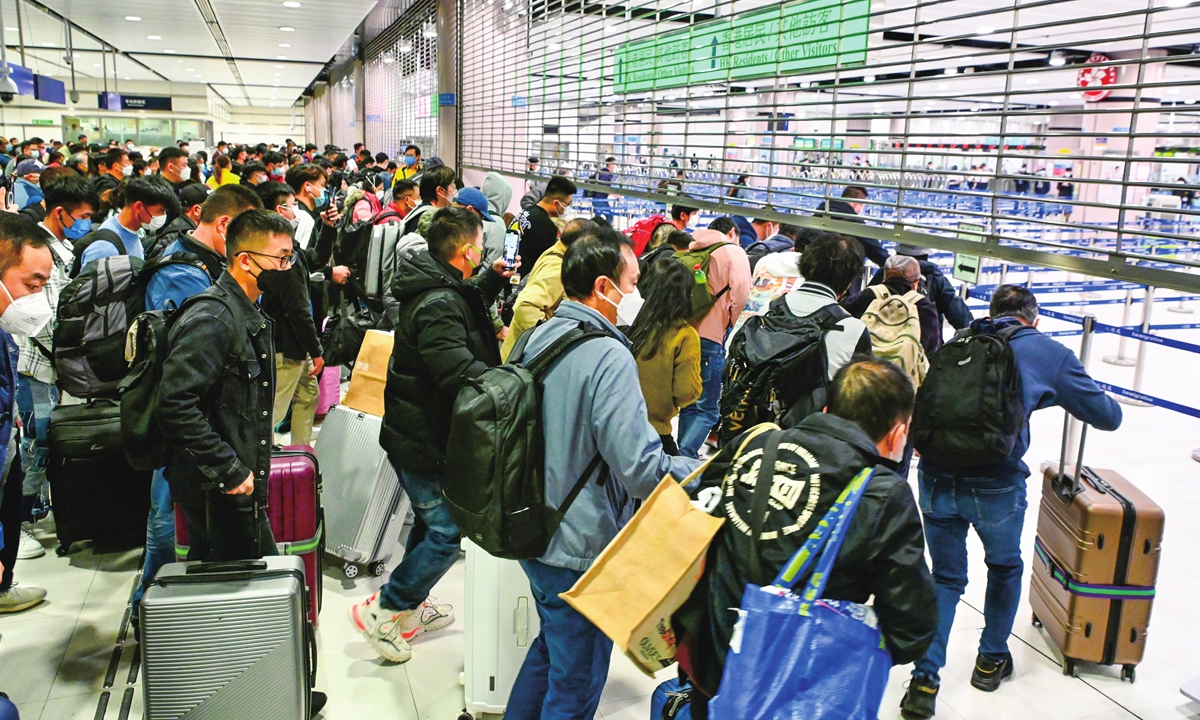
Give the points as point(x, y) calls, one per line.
point(370, 373)
point(647, 572)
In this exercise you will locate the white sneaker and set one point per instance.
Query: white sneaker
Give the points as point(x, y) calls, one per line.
point(29, 547)
point(390, 632)
point(17, 599)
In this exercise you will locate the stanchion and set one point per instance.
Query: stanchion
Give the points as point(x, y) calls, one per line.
point(1003, 273)
point(1085, 351)
point(1140, 368)
point(1029, 278)
point(1120, 358)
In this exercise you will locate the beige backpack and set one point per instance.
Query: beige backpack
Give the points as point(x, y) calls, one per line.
point(896, 331)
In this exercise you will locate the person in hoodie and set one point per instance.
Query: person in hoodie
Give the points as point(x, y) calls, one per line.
point(499, 194)
point(728, 275)
point(27, 189)
point(592, 406)
point(848, 209)
point(443, 335)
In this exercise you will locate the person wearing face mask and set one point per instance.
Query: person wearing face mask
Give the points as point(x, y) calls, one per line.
point(144, 204)
point(26, 190)
point(443, 335)
point(318, 217)
point(191, 200)
point(864, 426)
point(255, 173)
point(70, 203)
point(591, 404)
point(438, 187)
point(26, 265)
point(174, 167)
point(116, 167)
point(728, 276)
point(196, 260)
point(275, 165)
point(848, 209)
point(410, 164)
point(405, 198)
point(536, 225)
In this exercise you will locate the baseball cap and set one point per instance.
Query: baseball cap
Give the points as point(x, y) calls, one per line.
point(192, 195)
point(28, 167)
point(472, 197)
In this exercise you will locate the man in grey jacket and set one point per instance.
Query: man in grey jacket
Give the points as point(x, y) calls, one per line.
point(591, 403)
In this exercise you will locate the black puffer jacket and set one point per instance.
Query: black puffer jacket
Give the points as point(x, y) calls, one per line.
point(444, 334)
point(883, 554)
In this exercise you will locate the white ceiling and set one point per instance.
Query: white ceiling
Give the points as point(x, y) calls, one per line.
point(186, 50)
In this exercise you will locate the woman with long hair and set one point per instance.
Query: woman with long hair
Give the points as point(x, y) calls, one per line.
point(667, 346)
point(222, 174)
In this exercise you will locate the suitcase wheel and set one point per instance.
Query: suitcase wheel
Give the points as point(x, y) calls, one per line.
point(1070, 667)
point(1129, 672)
point(376, 568)
point(466, 716)
point(62, 549)
point(350, 570)
point(1037, 623)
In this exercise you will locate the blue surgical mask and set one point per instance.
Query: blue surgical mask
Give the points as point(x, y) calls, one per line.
point(79, 229)
point(323, 199)
point(410, 160)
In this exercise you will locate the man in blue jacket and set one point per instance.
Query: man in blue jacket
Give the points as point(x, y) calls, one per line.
point(592, 403)
point(992, 499)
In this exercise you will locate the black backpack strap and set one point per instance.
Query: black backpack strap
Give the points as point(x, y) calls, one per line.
point(758, 505)
point(1006, 333)
point(597, 461)
point(828, 318)
point(86, 241)
point(581, 333)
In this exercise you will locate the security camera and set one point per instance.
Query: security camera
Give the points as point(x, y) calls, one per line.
point(7, 96)
point(8, 88)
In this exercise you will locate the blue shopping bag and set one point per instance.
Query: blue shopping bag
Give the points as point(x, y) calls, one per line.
point(804, 657)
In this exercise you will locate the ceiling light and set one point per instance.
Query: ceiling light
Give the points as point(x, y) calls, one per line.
point(133, 18)
point(1058, 58)
point(170, 52)
point(1053, 103)
point(284, 45)
point(429, 30)
point(291, 4)
point(1189, 102)
point(128, 78)
point(387, 58)
point(287, 28)
point(154, 37)
point(48, 44)
point(95, 64)
point(405, 46)
point(868, 78)
point(951, 71)
point(281, 57)
point(11, 29)
point(985, 30)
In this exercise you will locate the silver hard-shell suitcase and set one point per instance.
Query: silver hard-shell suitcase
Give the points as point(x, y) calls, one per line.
point(228, 641)
point(365, 507)
point(381, 259)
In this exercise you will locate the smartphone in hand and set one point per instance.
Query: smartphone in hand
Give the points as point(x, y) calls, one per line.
point(512, 242)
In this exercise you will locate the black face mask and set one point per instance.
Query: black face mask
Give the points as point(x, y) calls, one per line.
point(272, 282)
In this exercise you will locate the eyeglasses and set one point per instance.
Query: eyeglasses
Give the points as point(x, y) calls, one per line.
point(285, 261)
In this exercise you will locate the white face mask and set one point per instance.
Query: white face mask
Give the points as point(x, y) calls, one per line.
point(156, 222)
point(127, 170)
point(26, 315)
point(629, 307)
point(185, 174)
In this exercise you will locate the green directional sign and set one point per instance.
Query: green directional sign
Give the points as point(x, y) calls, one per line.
point(966, 267)
point(782, 40)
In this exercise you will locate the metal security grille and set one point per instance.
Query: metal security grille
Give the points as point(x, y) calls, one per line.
point(343, 107)
point(400, 78)
point(1057, 132)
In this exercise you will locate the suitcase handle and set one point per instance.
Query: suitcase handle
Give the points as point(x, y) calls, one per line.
point(1068, 487)
point(229, 566)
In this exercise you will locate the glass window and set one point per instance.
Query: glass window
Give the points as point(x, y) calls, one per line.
point(118, 128)
point(76, 126)
point(155, 132)
point(189, 130)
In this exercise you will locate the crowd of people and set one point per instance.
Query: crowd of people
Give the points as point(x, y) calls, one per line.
point(255, 249)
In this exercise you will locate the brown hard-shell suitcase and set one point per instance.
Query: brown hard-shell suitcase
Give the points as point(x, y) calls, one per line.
point(1097, 550)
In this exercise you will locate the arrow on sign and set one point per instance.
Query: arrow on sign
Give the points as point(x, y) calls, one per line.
point(966, 268)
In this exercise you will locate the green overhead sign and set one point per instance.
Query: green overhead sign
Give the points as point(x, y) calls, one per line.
point(966, 267)
point(786, 39)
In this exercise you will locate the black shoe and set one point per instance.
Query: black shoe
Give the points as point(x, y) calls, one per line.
point(920, 699)
point(990, 673)
point(317, 700)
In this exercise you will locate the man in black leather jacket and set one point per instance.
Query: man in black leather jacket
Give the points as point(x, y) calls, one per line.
point(217, 389)
point(866, 425)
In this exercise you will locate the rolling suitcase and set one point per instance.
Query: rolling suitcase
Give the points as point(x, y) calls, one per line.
point(367, 506)
point(1097, 551)
point(501, 622)
point(227, 640)
point(329, 390)
point(381, 259)
point(294, 509)
point(96, 495)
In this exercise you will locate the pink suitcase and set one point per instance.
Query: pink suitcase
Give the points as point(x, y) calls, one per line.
point(294, 509)
point(329, 389)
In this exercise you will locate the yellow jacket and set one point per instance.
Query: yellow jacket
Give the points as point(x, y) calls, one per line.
point(541, 296)
point(671, 379)
point(404, 172)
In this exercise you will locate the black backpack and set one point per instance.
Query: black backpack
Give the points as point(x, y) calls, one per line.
point(94, 313)
point(141, 433)
point(777, 369)
point(494, 486)
point(971, 407)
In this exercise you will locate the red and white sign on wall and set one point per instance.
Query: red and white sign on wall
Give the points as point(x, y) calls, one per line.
point(1093, 77)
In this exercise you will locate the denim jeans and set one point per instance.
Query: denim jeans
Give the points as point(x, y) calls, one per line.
point(427, 560)
point(697, 420)
point(160, 534)
point(567, 664)
point(952, 504)
point(35, 401)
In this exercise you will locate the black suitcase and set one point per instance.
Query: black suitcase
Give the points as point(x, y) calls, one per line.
point(95, 494)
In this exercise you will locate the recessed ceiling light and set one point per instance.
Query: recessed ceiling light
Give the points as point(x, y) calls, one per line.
point(868, 78)
point(128, 78)
point(50, 74)
point(1189, 102)
point(47, 44)
point(76, 54)
point(1053, 103)
point(95, 64)
point(985, 30)
point(281, 57)
point(287, 28)
point(11, 29)
point(291, 4)
point(133, 18)
point(154, 37)
point(278, 66)
point(170, 52)
point(284, 45)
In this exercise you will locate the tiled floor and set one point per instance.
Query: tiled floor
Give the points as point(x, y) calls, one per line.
point(54, 658)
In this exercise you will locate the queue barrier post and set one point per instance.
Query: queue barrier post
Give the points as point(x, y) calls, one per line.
point(1139, 370)
point(1120, 358)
